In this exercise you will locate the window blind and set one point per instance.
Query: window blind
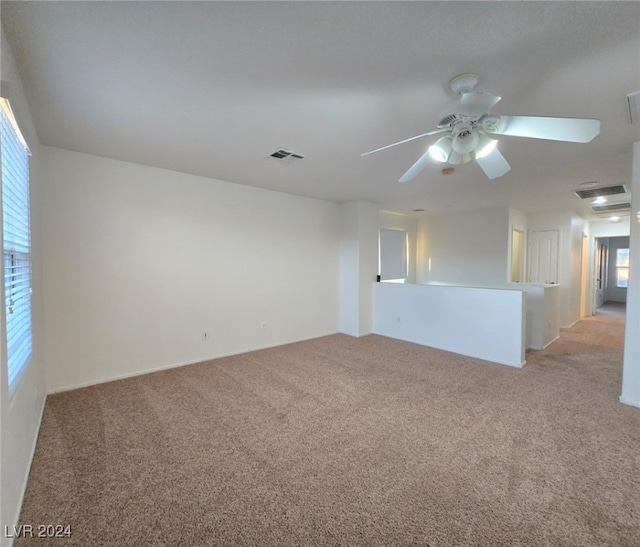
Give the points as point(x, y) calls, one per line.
point(393, 254)
point(16, 245)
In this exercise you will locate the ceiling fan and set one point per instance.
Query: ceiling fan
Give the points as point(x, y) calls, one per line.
point(469, 128)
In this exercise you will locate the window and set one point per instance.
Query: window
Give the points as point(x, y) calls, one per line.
point(392, 255)
point(622, 268)
point(16, 246)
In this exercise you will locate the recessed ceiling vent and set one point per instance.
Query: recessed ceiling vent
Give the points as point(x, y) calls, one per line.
point(286, 156)
point(611, 207)
point(598, 192)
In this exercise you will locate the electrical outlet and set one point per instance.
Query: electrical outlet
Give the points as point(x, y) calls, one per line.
point(205, 336)
point(263, 325)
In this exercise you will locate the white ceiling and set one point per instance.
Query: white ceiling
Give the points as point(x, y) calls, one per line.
point(212, 88)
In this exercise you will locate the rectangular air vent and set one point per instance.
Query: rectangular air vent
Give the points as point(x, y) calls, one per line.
point(597, 192)
point(286, 156)
point(611, 207)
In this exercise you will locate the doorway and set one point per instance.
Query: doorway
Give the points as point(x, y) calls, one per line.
point(611, 271)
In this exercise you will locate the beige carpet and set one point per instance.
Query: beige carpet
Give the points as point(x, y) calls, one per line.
point(343, 441)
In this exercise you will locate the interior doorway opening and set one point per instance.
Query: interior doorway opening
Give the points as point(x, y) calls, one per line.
point(611, 270)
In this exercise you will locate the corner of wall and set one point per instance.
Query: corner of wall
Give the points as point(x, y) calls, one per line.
point(21, 414)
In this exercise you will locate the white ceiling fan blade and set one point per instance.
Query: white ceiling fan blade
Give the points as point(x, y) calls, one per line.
point(416, 168)
point(553, 129)
point(493, 164)
point(406, 140)
point(476, 103)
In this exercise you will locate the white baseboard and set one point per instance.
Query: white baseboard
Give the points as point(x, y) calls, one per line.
point(549, 343)
point(630, 402)
point(25, 480)
point(176, 365)
point(572, 324)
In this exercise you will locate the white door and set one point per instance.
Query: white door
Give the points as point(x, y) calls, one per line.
point(543, 256)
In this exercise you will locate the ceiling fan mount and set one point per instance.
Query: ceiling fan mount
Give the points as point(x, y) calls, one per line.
point(463, 83)
point(470, 129)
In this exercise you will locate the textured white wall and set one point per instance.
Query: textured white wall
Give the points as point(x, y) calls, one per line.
point(358, 265)
point(20, 415)
point(459, 319)
point(469, 248)
point(517, 221)
point(631, 369)
point(140, 261)
point(579, 226)
point(398, 221)
point(606, 228)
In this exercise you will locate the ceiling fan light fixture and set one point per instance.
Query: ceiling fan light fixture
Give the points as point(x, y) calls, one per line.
point(441, 149)
point(465, 140)
point(485, 146)
point(456, 158)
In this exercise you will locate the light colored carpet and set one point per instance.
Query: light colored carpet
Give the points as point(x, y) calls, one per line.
point(343, 441)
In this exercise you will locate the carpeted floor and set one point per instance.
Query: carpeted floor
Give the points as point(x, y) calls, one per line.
point(343, 441)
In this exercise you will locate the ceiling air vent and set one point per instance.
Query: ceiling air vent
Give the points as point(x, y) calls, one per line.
point(611, 207)
point(598, 192)
point(286, 156)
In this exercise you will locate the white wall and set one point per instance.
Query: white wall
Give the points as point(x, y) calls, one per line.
point(397, 221)
point(631, 368)
point(140, 261)
point(20, 415)
point(468, 248)
point(459, 319)
point(614, 293)
point(358, 265)
point(579, 227)
point(606, 228)
point(517, 221)
point(541, 314)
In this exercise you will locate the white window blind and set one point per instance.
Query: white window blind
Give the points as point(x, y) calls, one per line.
point(393, 254)
point(16, 245)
